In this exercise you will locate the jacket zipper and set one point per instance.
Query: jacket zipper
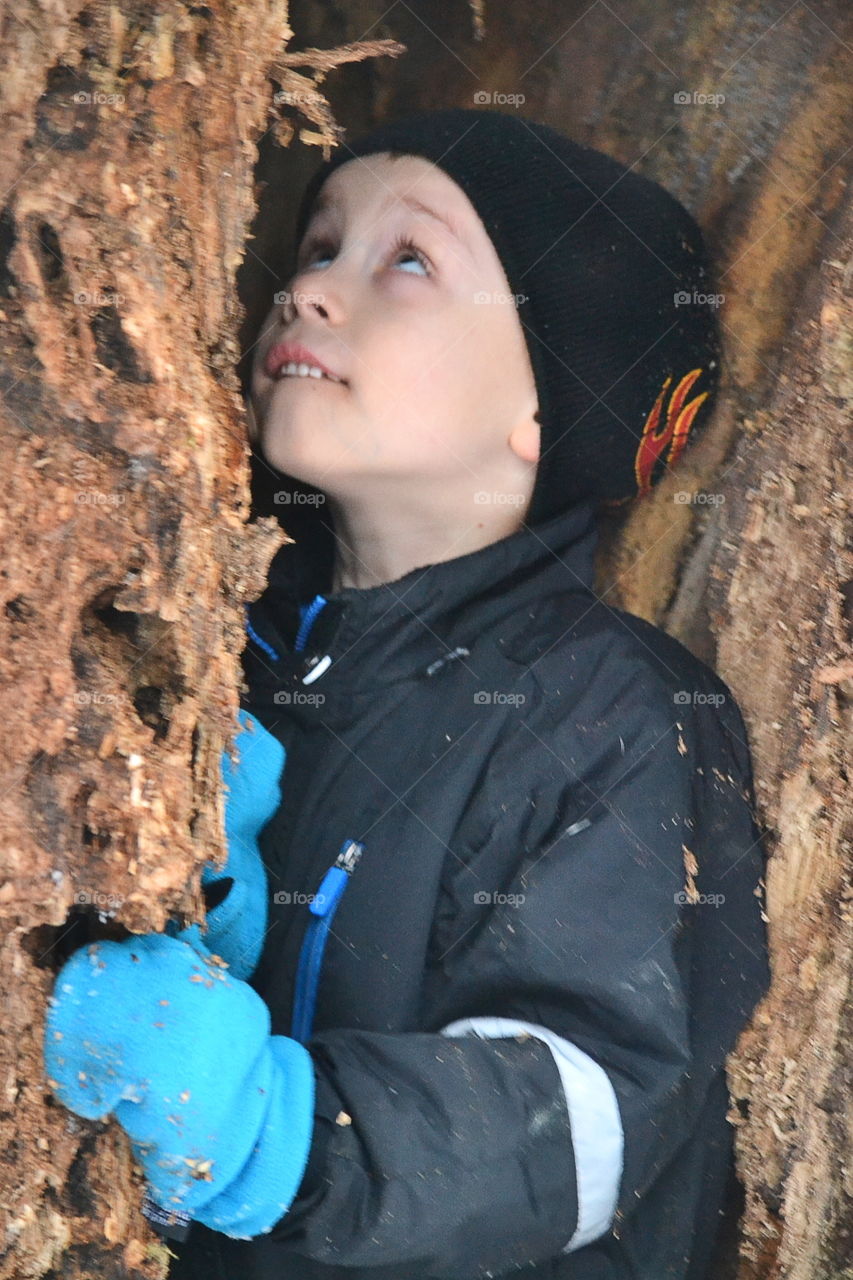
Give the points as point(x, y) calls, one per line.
point(322, 908)
point(307, 622)
point(325, 902)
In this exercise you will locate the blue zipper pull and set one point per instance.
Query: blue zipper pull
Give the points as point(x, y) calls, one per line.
point(322, 908)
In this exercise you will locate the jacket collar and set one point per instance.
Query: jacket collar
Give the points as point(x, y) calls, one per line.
point(363, 637)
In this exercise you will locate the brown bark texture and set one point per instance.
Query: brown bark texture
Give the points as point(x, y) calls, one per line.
point(130, 139)
point(128, 556)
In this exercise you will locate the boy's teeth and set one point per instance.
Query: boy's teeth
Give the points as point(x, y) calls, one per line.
point(304, 371)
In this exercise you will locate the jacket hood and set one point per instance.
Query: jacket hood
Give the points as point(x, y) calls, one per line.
point(376, 635)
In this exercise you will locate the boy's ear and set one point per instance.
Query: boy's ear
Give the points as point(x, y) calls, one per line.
point(525, 439)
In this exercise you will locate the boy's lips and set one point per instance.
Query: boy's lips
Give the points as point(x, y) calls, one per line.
point(283, 353)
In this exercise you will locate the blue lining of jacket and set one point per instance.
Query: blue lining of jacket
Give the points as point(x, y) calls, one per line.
point(325, 902)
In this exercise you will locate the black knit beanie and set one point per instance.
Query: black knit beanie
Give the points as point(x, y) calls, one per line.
point(612, 290)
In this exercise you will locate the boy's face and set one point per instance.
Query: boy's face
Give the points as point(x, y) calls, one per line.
point(439, 388)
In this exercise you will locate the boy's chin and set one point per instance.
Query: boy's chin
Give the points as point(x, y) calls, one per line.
point(286, 464)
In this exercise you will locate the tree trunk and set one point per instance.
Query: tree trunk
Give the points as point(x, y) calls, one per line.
point(128, 556)
point(130, 141)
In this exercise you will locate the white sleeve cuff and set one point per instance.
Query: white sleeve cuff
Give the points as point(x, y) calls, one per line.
point(597, 1135)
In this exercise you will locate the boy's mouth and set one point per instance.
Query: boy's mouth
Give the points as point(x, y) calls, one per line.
point(292, 360)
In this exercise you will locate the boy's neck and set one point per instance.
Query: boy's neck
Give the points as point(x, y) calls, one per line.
point(370, 551)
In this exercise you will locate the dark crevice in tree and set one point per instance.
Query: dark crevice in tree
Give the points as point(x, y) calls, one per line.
point(66, 113)
point(50, 254)
point(114, 350)
point(7, 243)
point(19, 609)
point(150, 703)
point(50, 945)
point(121, 651)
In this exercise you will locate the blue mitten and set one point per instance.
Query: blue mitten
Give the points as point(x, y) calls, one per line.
point(220, 1113)
point(236, 927)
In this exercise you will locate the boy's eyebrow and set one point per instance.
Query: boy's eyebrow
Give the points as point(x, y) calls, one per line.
point(328, 201)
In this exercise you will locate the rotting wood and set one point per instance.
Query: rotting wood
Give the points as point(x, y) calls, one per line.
point(128, 172)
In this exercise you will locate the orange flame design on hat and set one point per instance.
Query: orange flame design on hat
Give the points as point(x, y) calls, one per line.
point(679, 420)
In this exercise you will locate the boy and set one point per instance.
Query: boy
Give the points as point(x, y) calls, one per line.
point(512, 926)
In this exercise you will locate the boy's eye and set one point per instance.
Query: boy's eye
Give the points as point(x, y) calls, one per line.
point(401, 247)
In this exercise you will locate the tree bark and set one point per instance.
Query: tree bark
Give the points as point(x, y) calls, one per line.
point(130, 139)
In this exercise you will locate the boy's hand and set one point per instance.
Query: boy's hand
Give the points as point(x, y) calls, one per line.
point(236, 925)
point(220, 1112)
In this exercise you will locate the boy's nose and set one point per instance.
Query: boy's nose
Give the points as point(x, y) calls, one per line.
point(309, 299)
point(290, 308)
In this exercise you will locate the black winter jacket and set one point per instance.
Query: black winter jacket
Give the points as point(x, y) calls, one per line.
point(550, 941)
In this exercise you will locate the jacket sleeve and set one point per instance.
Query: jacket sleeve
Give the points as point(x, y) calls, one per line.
point(586, 987)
